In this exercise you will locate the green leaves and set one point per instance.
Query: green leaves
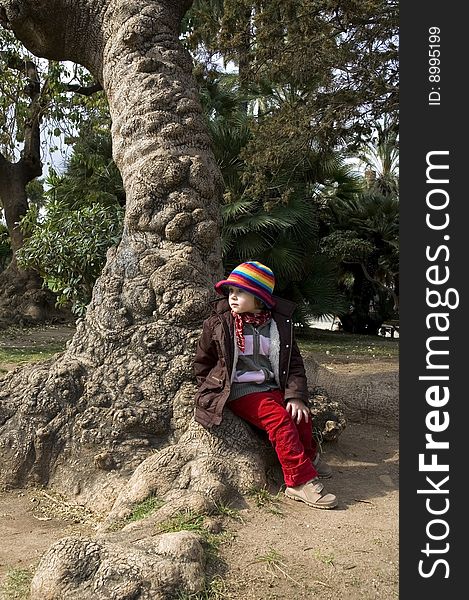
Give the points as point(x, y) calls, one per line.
point(91, 175)
point(67, 239)
point(362, 235)
point(59, 110)
point(346, 246)
point(269, 211)
point(68, 248)
point(333, 65)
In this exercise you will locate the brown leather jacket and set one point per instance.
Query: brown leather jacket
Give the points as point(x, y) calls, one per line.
point(213, 362)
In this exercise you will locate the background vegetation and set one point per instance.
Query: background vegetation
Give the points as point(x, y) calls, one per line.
point(301, 100)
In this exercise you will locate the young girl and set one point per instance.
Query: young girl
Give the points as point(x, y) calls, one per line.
point(247, 360)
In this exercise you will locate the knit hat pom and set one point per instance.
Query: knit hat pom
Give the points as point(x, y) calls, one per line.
point(252, 277)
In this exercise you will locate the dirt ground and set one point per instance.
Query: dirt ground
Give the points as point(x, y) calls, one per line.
point(275, 548)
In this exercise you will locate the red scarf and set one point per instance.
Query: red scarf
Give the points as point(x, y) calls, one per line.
point(257, 320)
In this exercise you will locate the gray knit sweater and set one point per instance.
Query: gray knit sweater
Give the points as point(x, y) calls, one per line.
point(252, 369)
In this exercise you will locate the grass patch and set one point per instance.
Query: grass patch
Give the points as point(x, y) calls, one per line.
point(339, 343)
point(225, 510)
point(327, 559)
point(17, 584)
point(214, 584)
point(272, 559)
point(264, 499)
point(274, 564)
point(214, 590)
point(184, 521)
point(187, 520)
point(144, 509)
point(140, 511)
point(19, 356)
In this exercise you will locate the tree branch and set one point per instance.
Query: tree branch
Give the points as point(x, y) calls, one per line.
point(27, 67)
point(31, 154)
point(30, 162)
point(83, 90)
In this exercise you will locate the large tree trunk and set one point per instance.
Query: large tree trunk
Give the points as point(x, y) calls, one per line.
point(124, 387)
point(109, 422)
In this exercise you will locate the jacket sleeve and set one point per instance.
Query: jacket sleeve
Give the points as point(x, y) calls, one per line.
point(206, 355)
point(297, 385)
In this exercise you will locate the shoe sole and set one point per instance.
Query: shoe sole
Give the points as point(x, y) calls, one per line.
point(321, 506)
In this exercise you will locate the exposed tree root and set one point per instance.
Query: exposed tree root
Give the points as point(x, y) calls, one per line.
point(153, 568)
point(202, 469)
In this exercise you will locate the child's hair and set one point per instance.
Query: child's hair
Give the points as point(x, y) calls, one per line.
point(259, 304)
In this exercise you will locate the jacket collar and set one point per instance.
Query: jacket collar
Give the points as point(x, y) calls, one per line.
point(282, 306)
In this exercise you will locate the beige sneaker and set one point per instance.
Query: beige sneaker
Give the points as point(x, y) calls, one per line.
point(323, 469)
point(312, 493)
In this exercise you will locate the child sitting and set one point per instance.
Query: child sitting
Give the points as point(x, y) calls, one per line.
point(248, 361)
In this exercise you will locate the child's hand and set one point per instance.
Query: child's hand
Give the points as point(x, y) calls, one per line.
point(298, 410)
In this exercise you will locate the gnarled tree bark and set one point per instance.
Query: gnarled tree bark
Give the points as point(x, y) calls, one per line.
point(123, 387)
point(84, 422)
point(109, 421)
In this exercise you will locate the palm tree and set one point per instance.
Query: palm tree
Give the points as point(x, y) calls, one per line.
point(364, 239)
point(381, 157)
point(276, 222)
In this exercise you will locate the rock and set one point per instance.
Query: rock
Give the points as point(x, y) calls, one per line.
point(328, 416)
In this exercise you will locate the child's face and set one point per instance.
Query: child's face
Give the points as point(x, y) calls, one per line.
point(241, 301)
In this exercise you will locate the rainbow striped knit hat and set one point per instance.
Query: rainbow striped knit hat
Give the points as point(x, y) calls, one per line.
point(253, 277)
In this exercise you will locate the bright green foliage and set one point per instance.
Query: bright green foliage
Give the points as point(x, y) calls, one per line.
point(38, 107)
point(67, 243)
point(186, 520)
point(68, 248)
point(144, 509)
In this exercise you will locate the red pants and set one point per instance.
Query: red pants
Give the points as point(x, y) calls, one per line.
point(293, 442)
